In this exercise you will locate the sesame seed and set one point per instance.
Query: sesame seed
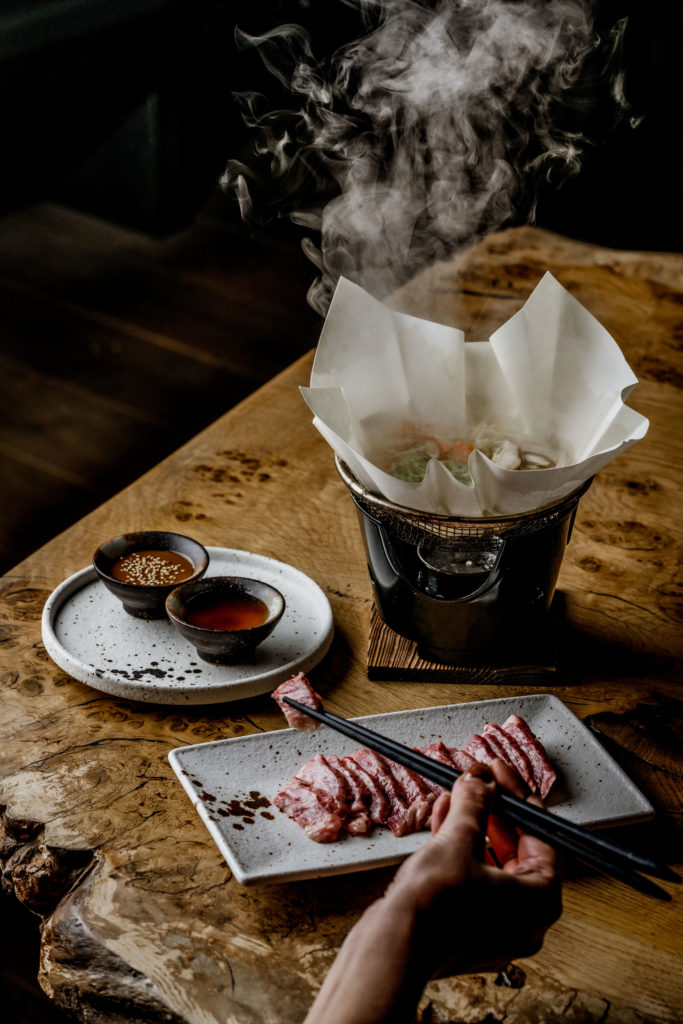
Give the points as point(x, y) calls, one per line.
point(152, 568)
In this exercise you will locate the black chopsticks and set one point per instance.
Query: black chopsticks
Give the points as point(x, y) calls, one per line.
point(597, 850)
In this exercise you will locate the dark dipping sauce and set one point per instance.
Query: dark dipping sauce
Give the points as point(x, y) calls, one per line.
point(230, 612)
point(152, 568)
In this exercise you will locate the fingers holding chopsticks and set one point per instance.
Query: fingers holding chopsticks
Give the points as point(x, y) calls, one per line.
point(459, 818)
point(517, 851)
point(464, 820)
point(449, 880)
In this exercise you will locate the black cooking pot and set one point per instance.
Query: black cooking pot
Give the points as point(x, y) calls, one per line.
point(469, 591)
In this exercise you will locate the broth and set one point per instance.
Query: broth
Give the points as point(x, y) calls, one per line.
point(231, 611)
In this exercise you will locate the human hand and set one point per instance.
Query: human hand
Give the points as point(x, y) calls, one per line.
point(501, 913)
point(446, 911)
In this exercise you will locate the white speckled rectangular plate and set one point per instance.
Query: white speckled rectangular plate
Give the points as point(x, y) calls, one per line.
point(232, 782)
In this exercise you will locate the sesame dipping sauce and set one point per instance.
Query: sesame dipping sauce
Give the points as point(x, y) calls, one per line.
point(152, 568)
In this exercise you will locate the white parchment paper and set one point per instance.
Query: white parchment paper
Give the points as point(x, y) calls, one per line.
point(551, 377)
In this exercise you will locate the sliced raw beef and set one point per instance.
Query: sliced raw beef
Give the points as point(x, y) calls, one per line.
point(401, 819)
point(359, 821)
point(416, 793)
point(543, 771)
point(322, 776)
point(333, 795)
point(450, 756)
point(376, 799)
point(298, 688)
point(438, 752)
point(480, 749)
point(460, 759)
point(511, 753)
point(312, 810)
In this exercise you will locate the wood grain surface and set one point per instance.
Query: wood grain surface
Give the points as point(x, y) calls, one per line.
point(393, 656)
point(142, 919)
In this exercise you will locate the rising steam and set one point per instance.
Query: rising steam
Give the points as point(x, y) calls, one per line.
point(432, 130)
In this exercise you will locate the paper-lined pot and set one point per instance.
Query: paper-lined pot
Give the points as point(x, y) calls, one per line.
point(550, 380)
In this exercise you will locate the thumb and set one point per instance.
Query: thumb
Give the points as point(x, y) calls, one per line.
point(464, 827)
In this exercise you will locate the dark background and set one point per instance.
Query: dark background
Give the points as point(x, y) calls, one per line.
point(126, 111)
point(135, 306)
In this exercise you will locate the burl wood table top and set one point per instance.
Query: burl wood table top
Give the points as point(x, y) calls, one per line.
point(142, 919)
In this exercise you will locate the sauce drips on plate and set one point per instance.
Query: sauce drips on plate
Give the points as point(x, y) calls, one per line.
point(230, 612)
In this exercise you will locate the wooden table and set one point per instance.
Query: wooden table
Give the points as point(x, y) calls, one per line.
point(142, 920)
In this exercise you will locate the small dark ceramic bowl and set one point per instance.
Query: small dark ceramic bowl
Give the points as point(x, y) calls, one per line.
point(223, 646)
point(146, 601)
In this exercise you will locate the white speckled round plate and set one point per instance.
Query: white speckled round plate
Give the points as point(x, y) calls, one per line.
point(89, 635)
point(232, 784)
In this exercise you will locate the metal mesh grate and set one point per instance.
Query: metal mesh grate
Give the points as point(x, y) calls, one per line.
point(416, 527)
